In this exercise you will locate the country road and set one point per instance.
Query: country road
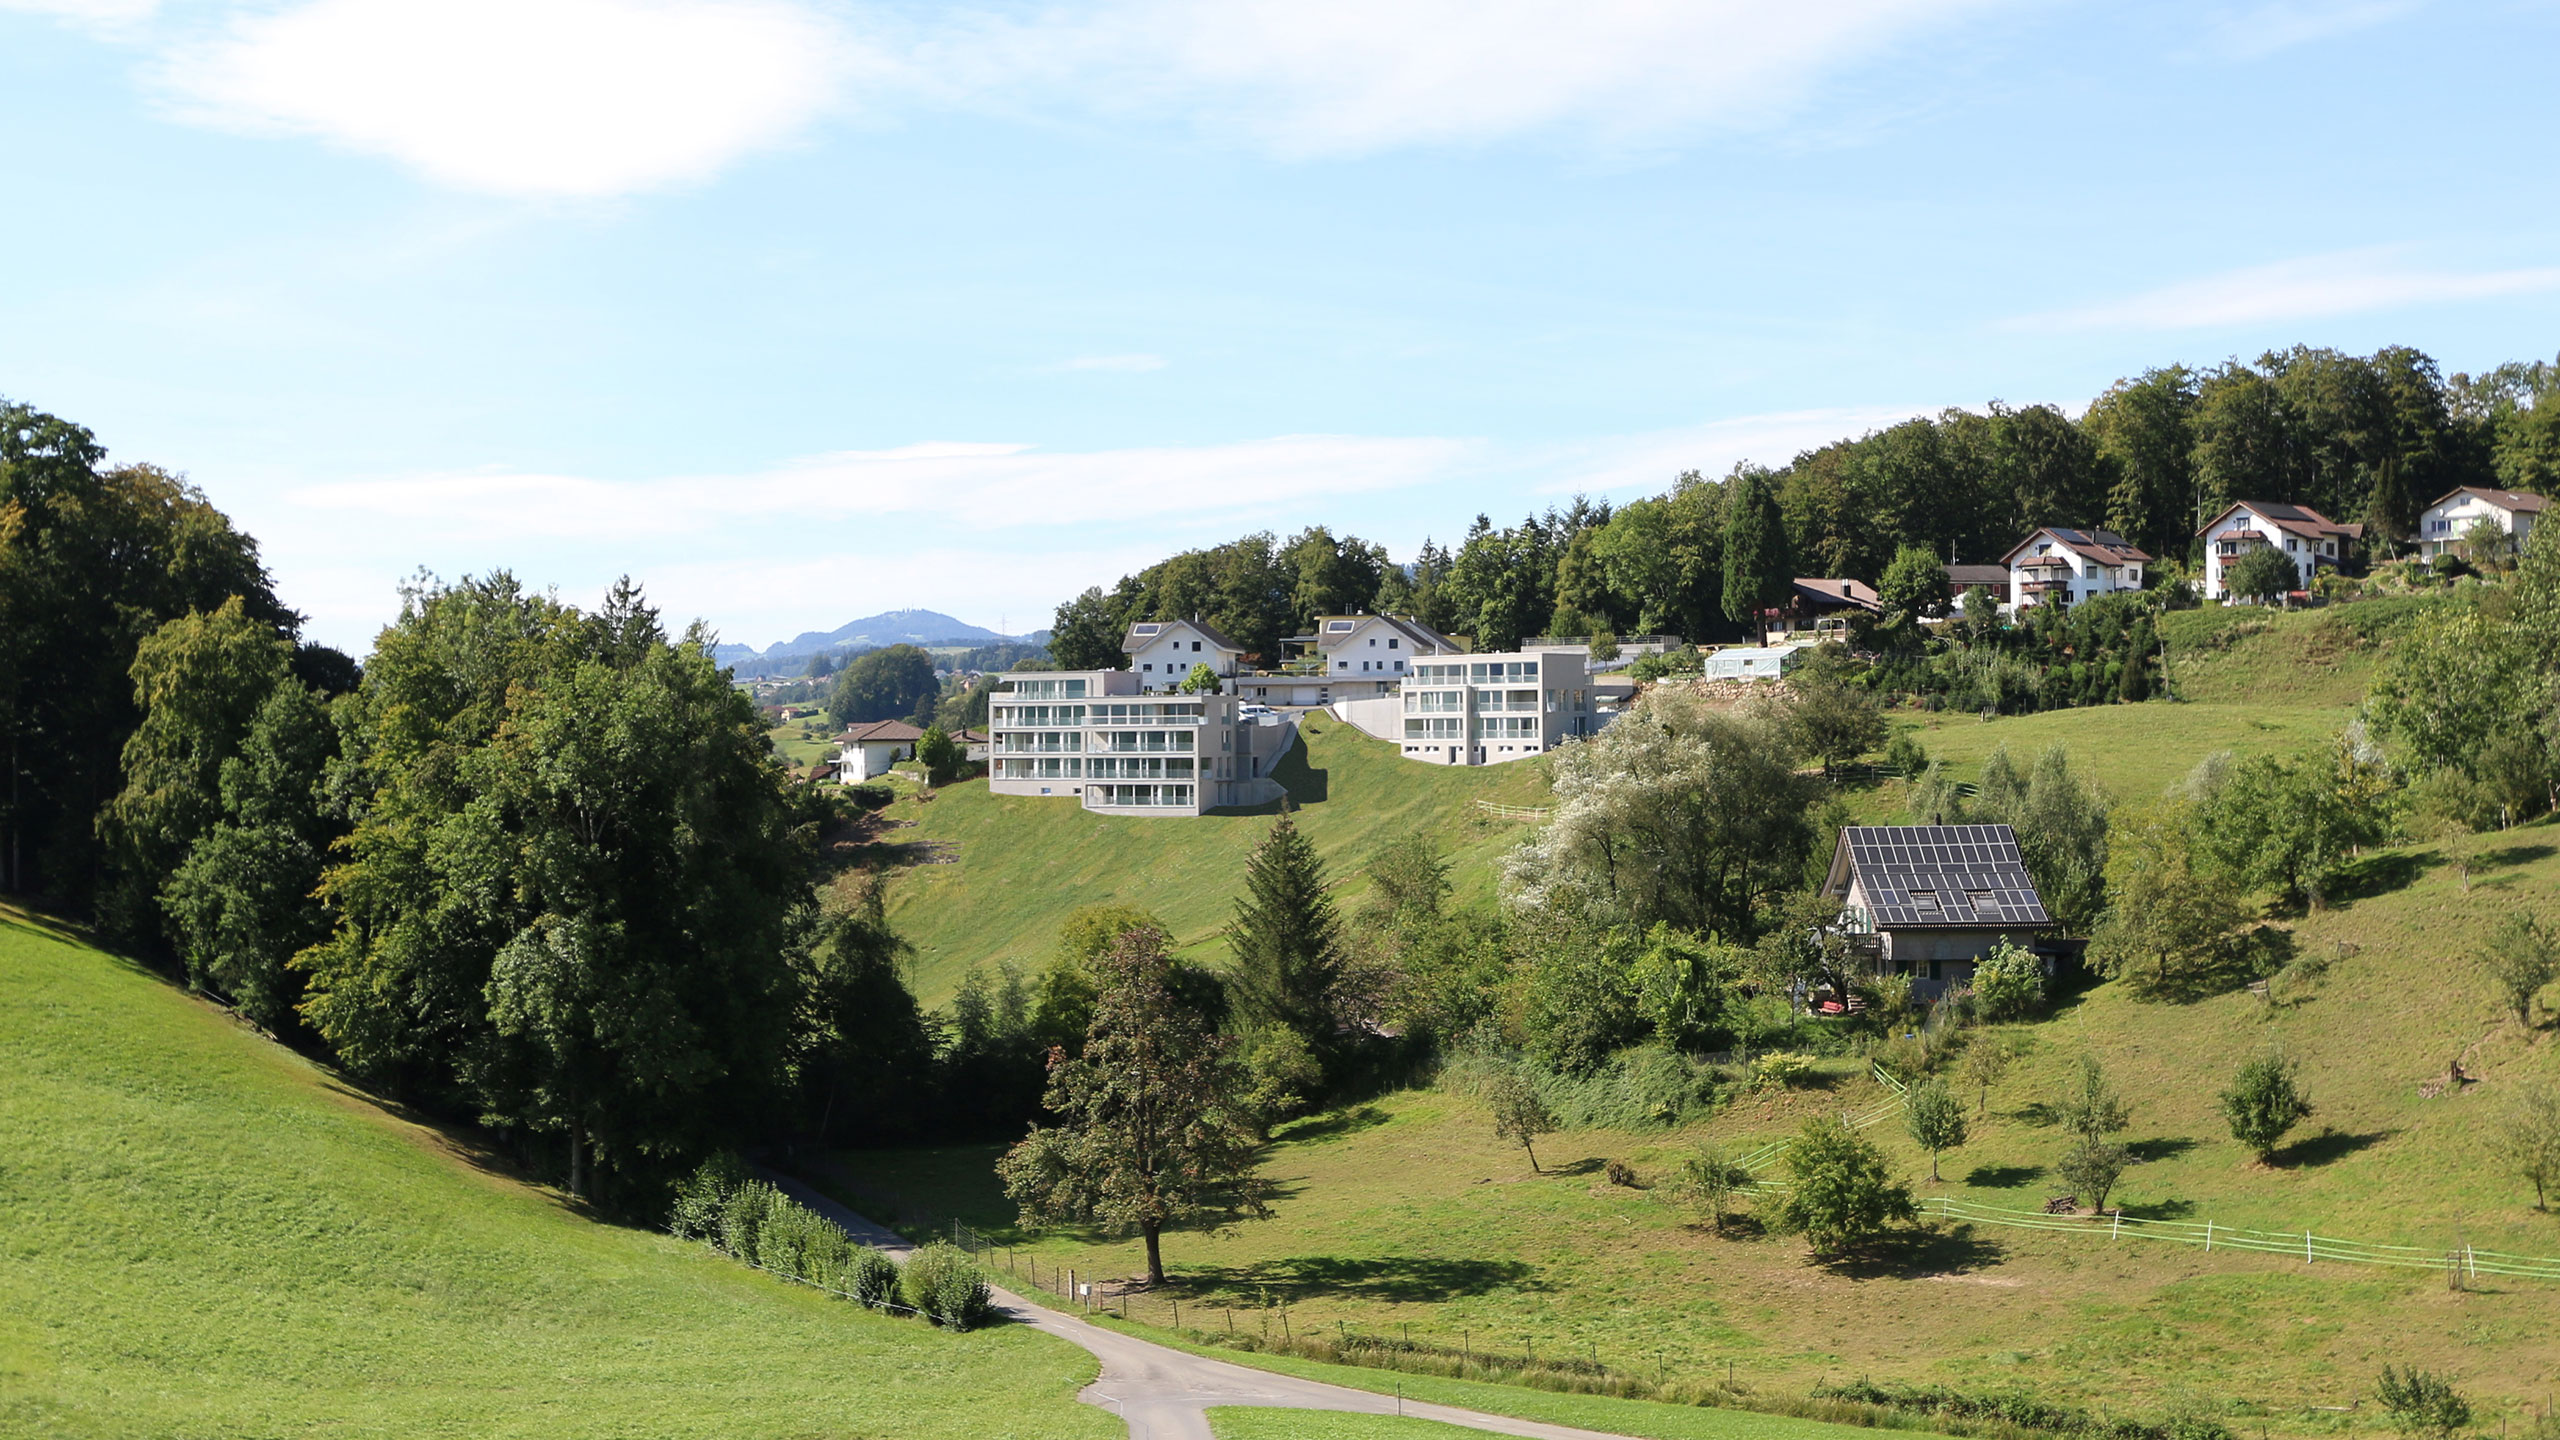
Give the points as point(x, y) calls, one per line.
point(1163, 1393)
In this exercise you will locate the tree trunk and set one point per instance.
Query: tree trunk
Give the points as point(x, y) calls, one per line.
point(578, 1160)
point(1533, 1157)
point(1155, 1252)
point(1933, 1169)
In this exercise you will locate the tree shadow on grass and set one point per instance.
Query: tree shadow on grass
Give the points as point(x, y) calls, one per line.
point(1404, 1279)
point(2506, 856)
point(1917, 1253)
point(1332, 1126)
point(2381, 873)
point(2002, 1177)
point(2159, 1148)
point(1589, 1165)
point(2159, 1210)
point(2238, 961)
point(2330, 1145)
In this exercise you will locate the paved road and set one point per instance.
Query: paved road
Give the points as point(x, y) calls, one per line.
point(1161, 1392)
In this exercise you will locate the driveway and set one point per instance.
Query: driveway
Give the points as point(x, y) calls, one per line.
point(1163, 1393)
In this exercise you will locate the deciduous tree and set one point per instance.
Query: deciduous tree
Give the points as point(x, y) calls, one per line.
point(1935, 1118)
point(2264, 1102)
point(1838, 1194)
point(1153, 1131)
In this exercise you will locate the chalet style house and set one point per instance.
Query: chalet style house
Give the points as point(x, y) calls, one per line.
point(1928, 901)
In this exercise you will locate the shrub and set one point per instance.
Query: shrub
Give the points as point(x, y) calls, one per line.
point(742, 1215)
point(1936, 1120)
point(699, 1198)
point(943, 1283)
point(1839, 1198)
point(2091, 1167)
point(1780, 1069)
point(2008, 983)
point(2422, 1403)
point(2264, 1102)
point(872, 1278)
point(1705, 1181)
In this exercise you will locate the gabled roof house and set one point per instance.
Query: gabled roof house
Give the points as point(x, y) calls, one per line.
point(1928, 901)
point(2449, 518)
point(2061, 565)
point(2308, 538)
point(1162, 652)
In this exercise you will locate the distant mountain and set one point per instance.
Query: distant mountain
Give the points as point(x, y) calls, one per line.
point(872, 632)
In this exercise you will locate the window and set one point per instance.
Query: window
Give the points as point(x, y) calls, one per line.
point(1373, 642)
point(1150, 669)
point(1391, 642)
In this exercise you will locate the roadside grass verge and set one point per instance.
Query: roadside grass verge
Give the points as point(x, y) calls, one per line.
point(204, 1234)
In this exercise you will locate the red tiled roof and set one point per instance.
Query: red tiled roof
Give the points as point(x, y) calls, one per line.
point(2104, 546)
point(2299, 520)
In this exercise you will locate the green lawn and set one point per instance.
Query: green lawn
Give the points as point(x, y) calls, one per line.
point(2135, 751)
point(1022, 863)
point(202, 1234)
point(1406, 1211)
point(1260, 1422)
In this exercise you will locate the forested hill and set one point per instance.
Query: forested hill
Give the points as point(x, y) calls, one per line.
point(2368, 439)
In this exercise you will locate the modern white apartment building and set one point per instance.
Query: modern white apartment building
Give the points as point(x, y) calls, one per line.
point(1120, 749)
point(2308, 538)
point(1486, 709)
point(2443, 525)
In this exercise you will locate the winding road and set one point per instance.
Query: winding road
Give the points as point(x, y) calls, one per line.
point(1163, 1393)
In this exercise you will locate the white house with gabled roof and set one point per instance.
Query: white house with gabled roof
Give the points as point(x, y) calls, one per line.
point(2060, 565)
point(2308, 538)
point(1368, 655)
point(1162, 652)
point(2446, 520)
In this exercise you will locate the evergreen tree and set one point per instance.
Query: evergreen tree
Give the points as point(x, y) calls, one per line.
point(1287, 940)
point(1758, 571)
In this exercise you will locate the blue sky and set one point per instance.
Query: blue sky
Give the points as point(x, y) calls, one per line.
point(799, 310)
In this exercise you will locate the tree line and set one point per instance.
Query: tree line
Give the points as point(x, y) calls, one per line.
point(2367, 439)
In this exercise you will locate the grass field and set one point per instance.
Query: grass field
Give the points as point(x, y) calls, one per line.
point(203, 1235)
point(2135, 751)
point(1020, 864)
point(1406, 1211)
point(1254, 1422)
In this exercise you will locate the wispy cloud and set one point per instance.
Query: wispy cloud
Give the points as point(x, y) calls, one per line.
point(2314, 287)
point(2264, 30)
point(611, 97)
point(998, 486)
point(1128, 364)
point(535, 97)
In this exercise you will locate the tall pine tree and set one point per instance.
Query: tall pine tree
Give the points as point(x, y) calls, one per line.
point(1757, 571)
point(1287, 941)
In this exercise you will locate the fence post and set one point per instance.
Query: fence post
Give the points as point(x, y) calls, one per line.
point(2306, 1247)
point(2208, 1237)
point(2118, 1227)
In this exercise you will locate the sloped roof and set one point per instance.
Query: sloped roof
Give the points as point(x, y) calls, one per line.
point(1146, 630)
point(1969, 876)
point(2299, 520)
point(1836, 592)
point(2514, 502)
point(881, 732)
point(1332, 628)
point(1964, 576)
point(2104, 546)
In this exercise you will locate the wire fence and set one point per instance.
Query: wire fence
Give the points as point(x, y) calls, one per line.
point(1513, 812)
point(2467, 1260)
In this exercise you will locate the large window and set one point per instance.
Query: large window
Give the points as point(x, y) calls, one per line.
point(1435, 729)
point(1049, 689)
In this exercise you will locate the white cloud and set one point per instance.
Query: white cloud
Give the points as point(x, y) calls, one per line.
point(2266, 29)
point(1130, 364)
point(2314, 287)
point(996, 486)
point(1347, 76)
point(535, 97)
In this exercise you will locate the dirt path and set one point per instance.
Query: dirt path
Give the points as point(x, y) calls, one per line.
point(1164, 1393)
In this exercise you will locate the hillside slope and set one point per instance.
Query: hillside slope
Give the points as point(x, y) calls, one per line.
point(203, 1234)
point(1017, 866)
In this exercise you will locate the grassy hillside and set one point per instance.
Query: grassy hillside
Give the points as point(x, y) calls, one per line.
point(1018, 865)
point(201, 1234)
point(1406, 1211)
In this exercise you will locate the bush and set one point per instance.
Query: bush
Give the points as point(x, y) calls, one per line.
point(700, 1196)
point(943, 1283)
point(872, 1278)
point(1839, 1196)
point(2264, 1102)
point(742, 1215)
point(2423, 1404)
point(1780, 1069)
point(2008, 983)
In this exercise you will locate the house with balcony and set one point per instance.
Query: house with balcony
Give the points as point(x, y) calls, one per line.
point(1993, 578)
point(1103, 739)
point(2059, 565)
point(2446, 522)
point(1346, 658)
point(1162, 652)
point(1929, 901)
point(2306, 537)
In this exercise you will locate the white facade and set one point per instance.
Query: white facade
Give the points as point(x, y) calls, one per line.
point(2307, 538)
point(1366, 655)
point(1098, 736)
point(2442, 525)
point(1162, 652)
point(1487, 709)
point(2056, 565)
